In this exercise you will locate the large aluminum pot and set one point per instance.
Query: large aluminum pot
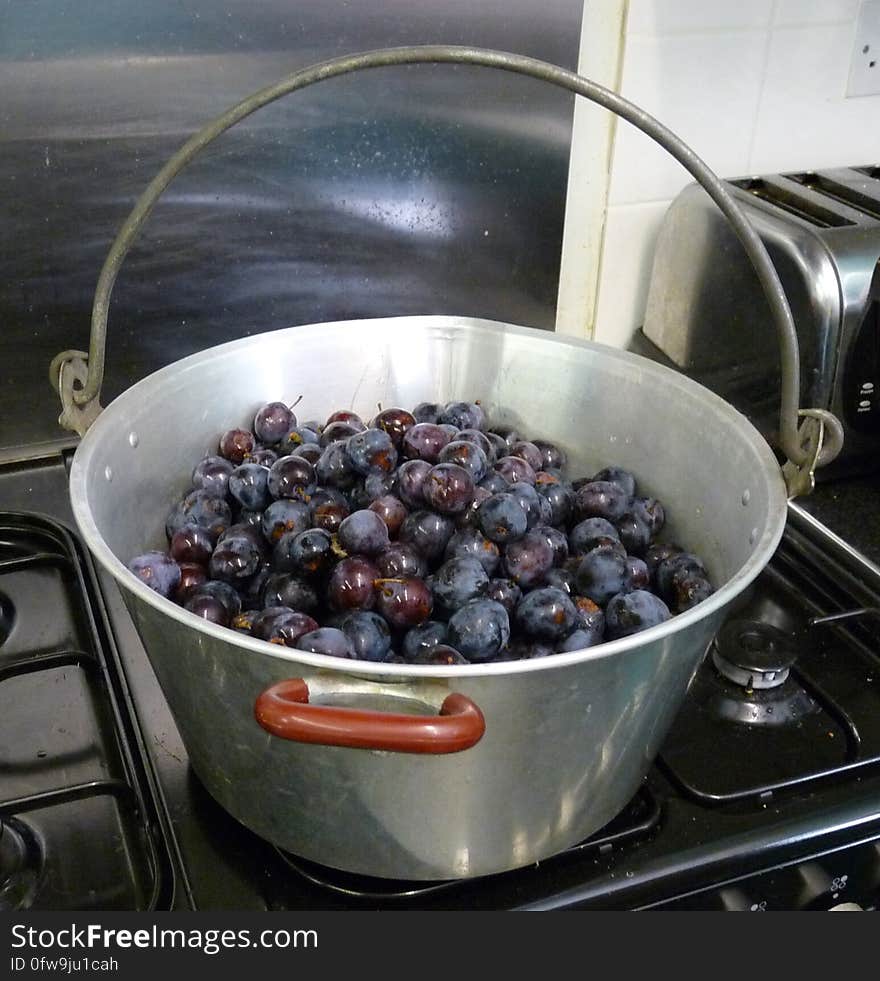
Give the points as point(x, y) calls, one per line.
point(430, 772)
point(567, 738)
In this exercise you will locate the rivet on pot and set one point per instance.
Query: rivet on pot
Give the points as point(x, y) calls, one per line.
point(133, 439)
point(747, 496)
point(108, 473)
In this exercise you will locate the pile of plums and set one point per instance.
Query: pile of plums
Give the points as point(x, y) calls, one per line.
point(422, 537)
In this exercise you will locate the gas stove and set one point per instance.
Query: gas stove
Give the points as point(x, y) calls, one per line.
point(766, 793)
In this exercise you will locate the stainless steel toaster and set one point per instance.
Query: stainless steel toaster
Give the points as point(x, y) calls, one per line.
point(707, 315)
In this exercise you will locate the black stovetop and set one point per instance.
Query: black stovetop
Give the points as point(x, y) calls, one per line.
point(761, 798)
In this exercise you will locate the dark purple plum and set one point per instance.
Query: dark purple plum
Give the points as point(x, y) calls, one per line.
point(286, 589)
point(427, 532)
point(589, 533)
point(561, 579)
point(334, 467)
point(228, 595)
point(601, 499)
point(504, 591)
point(401, 561)
point(427, 412)
point(502, 519)
point(338, 431)
point(309, 554)
point(296, 438)
point(457, 582)
point(552, 456)
point(578, 640)
point(559, 496)
point(248, 486)
point(448, 488)
point(441, 654)
point(291, 478)
point(514, 469)
point(208, 608)
point(419, 641)
point(281, 625)
point(688, 590)
point(368, 634)
point(657, 553)
point(328, 509)
point(634, 532)
point(639, 577)
point(326, 640)
point(463, 415)
point(547, 614)
point(617, 475)
point(528, 560)
point(212, 475)
point(411, 480)
point(468, 455)
point(285, 517)
point(472, 543)
point(272, 422)
point(191, 544)
point(528, 452)
point(424, 442)
point(405, 602)
point(391, 510)
point(536, 508)
point(630, 613)
point(371, 451)
point(590, 617)
point(352, 584)
point(678, 564)
point(236, 445)
point(157, 570)
point(235, 559)
point(363, 533)
point(395, 422)
point(192, 574)
point(603, 572)
point(495, 483)
point(480, 630)
point(200, 508)
point(308, 451)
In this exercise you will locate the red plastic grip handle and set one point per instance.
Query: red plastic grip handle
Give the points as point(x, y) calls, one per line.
point(284, 710)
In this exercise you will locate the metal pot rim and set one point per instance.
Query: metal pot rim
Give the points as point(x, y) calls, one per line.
point(764, 546)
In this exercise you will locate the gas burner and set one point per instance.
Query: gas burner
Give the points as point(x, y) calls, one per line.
point(754, 655)
point(20, 863)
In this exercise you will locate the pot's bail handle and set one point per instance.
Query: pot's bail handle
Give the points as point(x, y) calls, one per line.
point(814, 443)
point(284, 710)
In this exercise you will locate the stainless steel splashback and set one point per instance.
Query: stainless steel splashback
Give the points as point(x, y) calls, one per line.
point(407, 190)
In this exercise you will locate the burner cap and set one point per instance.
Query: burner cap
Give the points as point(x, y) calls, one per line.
point(754, 654)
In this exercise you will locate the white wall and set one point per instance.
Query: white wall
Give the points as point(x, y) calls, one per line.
point(753, 86)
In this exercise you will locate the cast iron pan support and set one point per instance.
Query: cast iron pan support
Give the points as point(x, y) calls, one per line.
point(77, 376)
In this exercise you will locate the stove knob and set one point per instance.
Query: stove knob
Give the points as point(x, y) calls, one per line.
point(847, 908)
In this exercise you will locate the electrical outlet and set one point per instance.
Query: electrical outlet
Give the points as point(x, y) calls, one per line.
point(864, 68)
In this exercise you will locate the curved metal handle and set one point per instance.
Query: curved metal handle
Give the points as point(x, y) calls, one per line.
point(817, 443)
point(284, 710)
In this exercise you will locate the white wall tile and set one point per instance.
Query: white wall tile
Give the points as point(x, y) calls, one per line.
point(630, 237)
point(705, 88)
point(678, 16)
point(804, 121)
point(795, 13)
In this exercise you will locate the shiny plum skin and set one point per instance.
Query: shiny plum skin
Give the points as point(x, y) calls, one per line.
point(424, 442)
point(285, 517)
point(470, 542)
point(400, 560)
point(212, 475)
point(480, 630)
point(309, 554)
point(502, 519)
point(363, 533)
point(372, 451)
point(528, 452)
point(201, 508)
point(586, 534)
point(191, 544)
point(448, 488)
point(209, 608)
point(514, 469)
point(427, 412)
point(429, 533)
point(411, 481)
point(602, 573)
point(439, 654)
point(368, 634)
point(391, 510)
point(559, 497)
point(468, 455)
point(504, 591)
point(395, 422)
point(677, 564)
point(272, 422)
point(463, 415)
point(282, 625)
point(634, 532)
point(234, 559)
point(236, 445)
point(352, 585)
point(157, 570)
point(630, 613)
point(547, 614)
point(291, 478)
point(404, 603)
point(457, 582)
point(419, 641)
point(326, 640)
point(552, 456)
point(617, 475)
point(528, 560)
point(601, 499)
point(334, 467)
point(248, 485)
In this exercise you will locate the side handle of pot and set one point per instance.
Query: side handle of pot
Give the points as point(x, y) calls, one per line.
point(283, 709)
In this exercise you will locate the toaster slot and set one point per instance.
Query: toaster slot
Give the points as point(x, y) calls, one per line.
point(856, 193)
point(801, 205)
